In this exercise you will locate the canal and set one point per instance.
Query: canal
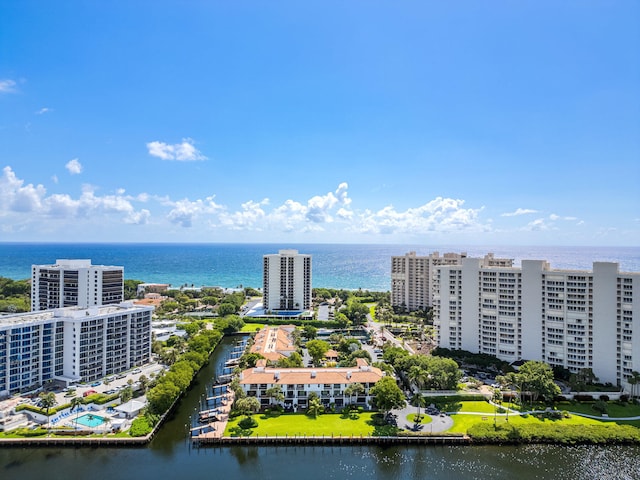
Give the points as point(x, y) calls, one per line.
point(171, 455)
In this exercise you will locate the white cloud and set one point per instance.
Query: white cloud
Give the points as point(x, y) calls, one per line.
point(555, 217)
point(438, 215)
point(536, 225)
point(519, 211)
point(182, 152)
point(185, 211)
point(319, 207)
point(17, 199)
point(7, 86)
point(43, 110)
point(74, 166)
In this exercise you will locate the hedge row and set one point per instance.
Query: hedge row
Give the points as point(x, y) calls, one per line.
point(297, 323)
point(555, 433)
point(97, 398)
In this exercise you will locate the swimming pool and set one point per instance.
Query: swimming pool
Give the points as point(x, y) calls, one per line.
point(89, 420)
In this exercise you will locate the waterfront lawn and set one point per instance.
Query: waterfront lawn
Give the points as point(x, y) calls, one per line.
point(299, 424)
point(463, 421)
point(614, 410)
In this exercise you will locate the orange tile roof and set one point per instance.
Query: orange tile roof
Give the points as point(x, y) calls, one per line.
point(297, 376)
point(274, 343)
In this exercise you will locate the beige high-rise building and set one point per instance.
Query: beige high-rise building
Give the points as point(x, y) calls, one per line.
point(287, 281)
point(412, 277)
point(568, 318)
point(70, 283)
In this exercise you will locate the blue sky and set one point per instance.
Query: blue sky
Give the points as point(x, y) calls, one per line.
point(320, 121)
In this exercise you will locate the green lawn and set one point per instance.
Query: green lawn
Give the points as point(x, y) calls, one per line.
point(463, 422)
point(300, 424)
point(425, 420)
point(251, 327)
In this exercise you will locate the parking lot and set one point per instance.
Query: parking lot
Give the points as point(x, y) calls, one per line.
point(114, 384)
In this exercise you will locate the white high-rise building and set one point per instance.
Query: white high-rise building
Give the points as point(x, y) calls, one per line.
point(412, 277)
point(567, 318)
point(70, 283)
point(72, 344)
point(287, 281)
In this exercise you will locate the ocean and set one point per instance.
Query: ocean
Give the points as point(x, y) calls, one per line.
point(344, 266)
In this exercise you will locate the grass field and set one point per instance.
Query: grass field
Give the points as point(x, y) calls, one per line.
point(251, 327)
point(300, 425)
point(462, 421)
point(425, 419)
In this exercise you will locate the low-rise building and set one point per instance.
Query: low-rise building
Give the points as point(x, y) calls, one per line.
point(274, 343)
point(298, 383)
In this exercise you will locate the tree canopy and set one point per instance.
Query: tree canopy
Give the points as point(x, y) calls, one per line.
point(387, 395)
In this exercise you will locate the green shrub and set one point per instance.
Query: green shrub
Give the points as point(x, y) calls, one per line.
point(555, 433)
point(140, 427)
point(247, 423)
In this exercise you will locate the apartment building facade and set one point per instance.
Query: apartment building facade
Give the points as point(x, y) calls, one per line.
point(287, 281)
point(298, 383)
point(567, 318)
point(412, 277)
point(72, 344)
point(69, 283)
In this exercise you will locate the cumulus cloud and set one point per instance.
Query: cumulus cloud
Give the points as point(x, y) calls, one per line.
point(319, 207)
point(519, 211)
point(438, 215)
point(74, 167)
point(15, 196)
point(185, 211)
point(18, 198)
point(7, 86)
point(182, 152)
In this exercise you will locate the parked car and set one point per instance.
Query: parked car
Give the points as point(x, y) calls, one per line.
point(96, 384)
point(88, 392)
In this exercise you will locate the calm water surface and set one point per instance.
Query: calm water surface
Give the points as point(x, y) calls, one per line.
point(170, 455)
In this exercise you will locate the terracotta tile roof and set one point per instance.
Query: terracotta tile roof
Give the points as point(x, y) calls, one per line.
point(297, 376)
point(274, 343)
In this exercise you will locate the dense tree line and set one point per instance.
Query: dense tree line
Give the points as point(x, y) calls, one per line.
point(15, 295)
point(426, 372)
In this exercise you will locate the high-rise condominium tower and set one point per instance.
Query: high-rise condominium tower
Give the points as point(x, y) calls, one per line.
point(70, 283)
point(287, 281)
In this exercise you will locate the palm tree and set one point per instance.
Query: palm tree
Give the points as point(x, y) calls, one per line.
point(144, 383)
point(419, 401)
point(76, 403)
point(633, 381)
point(418, 375)
point(315, 407)
point(354, 390)
point(47, 400)
point(275, 393)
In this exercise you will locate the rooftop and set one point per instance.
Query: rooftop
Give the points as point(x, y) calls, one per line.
point(296, 376)
point(67, 313)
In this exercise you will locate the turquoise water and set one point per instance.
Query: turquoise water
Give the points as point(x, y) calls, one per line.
point(231, 265)
point(89, 420)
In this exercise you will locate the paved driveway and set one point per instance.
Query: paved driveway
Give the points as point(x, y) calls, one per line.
point(438, 424)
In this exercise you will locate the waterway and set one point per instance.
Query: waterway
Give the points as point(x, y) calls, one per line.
point(171, 455)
